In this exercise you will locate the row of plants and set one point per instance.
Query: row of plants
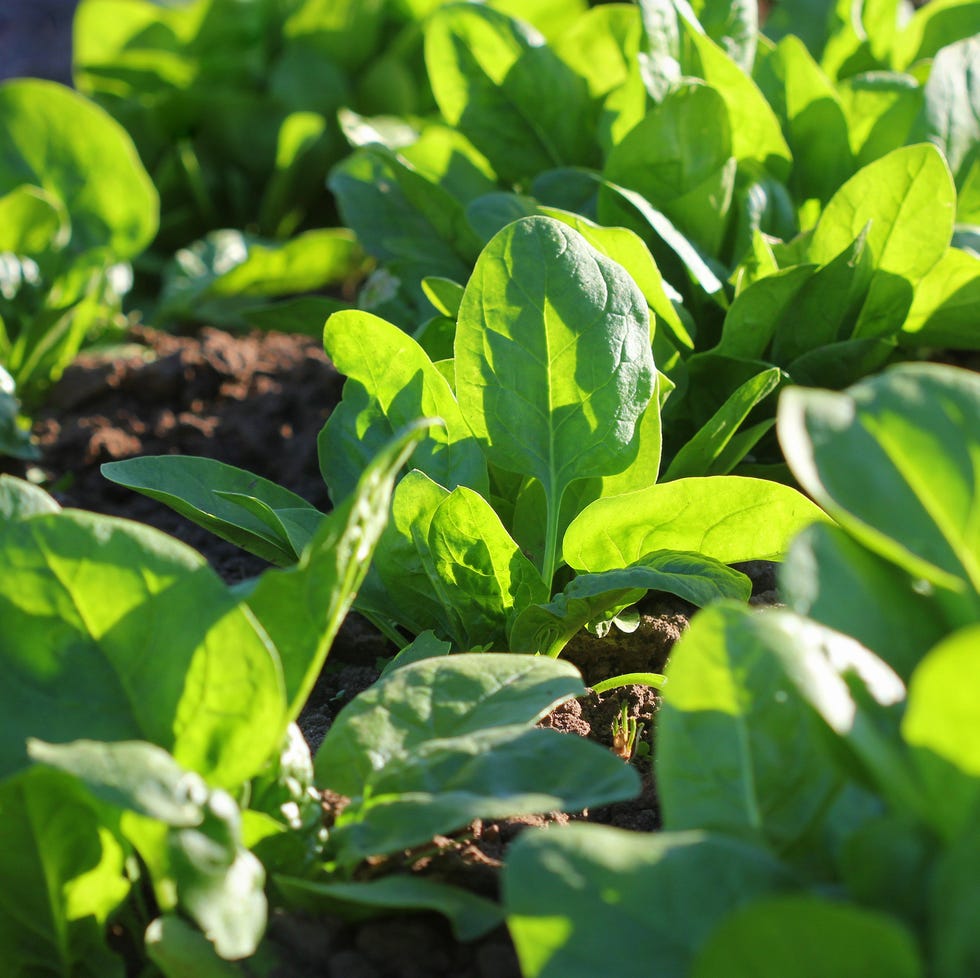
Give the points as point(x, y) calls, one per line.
point(626, 278)
point(751, 166)
point(817, 764)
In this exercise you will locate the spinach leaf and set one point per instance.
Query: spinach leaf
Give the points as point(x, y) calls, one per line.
point(727, 518)
point(553, 917)
point(809, 934)
point(487, 72)
point(441, 741)
point(391, 382)
point(301, 608)
point(245, 509)
point(554, 383)
point(131, 678)
point(908, 491)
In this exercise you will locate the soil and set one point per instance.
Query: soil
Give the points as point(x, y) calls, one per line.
point(258, 401)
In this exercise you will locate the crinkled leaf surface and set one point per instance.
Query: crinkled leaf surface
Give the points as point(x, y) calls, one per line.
point(444, 784)
point(438, 699)
point(553, 361)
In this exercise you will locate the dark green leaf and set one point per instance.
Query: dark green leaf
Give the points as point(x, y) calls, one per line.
point(808, 937)
point(245, 509)
point(564, 886)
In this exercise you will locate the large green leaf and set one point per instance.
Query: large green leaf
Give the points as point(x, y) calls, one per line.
point(881, 108)
point(218, 882)
point(391, 382)
point(856, 695)
point(813, 119)
point(470, 915)
point(653, 898)
point(944, 307)
point(86, 160)
point(441, 741)
point(488, 73)
point(219, 279)
point(896, 461)
point(62, 873)
point(410, 591)
point(20, 499)
point(808, 937)
point(728, 518)
point(910, 201)
point(952, 105)
point(757, 140)
point(114, 631)
point(438, 699)
point(553, 361)
point(677, 158)
point(445, 784)
point(737, 750)
point(601, 46)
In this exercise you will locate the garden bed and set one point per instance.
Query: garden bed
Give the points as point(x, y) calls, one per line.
point(257, 401)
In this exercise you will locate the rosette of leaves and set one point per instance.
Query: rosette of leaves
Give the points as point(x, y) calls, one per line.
point(75, 207)
point(817, 764)
point(535, 509)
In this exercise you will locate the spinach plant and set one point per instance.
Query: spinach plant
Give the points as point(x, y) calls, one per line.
point(748, 169)
point(75, 207)
point(234, 106)
point(151, 777)
point(824, 753)
point(535, 509)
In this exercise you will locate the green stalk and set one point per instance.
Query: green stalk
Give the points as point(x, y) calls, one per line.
point(654, 679)
point(551, 537)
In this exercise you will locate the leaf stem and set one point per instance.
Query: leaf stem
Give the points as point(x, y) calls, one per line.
point(550, 560)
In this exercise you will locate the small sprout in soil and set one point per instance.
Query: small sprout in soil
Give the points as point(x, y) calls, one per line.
point(626, 730)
